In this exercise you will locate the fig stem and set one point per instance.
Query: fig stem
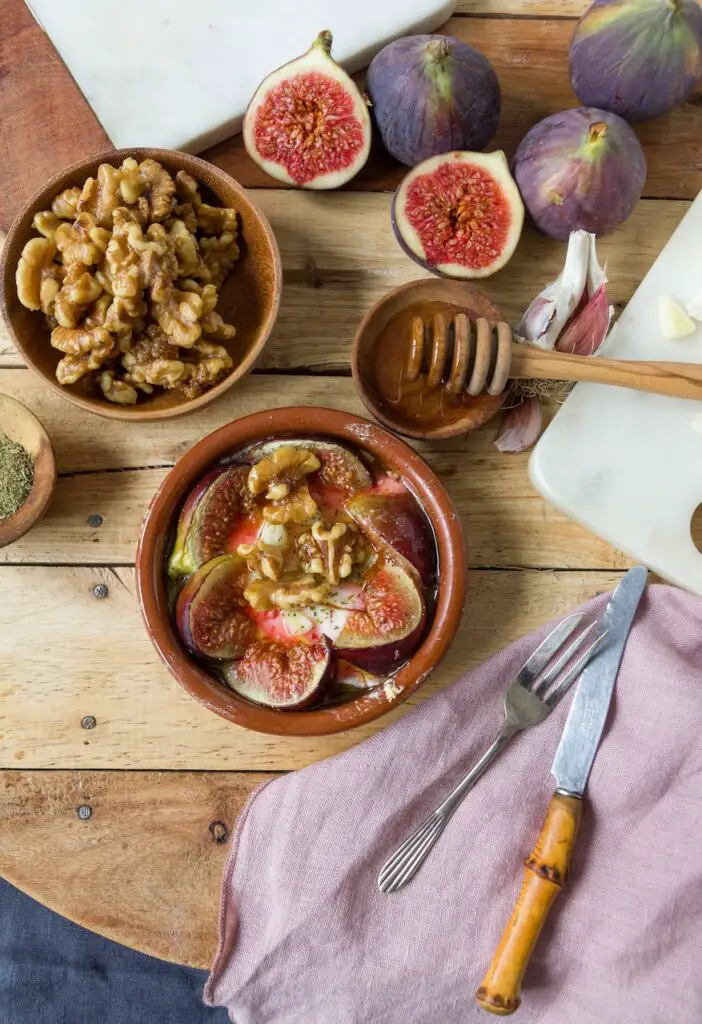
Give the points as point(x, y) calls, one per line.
point(598, 130)
point(324, 41)
point(438, 50)
point(675, 5)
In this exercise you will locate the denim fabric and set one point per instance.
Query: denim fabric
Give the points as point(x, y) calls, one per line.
point(54, 972)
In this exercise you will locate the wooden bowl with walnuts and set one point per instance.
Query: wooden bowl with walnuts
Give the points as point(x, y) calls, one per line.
point(140, 284)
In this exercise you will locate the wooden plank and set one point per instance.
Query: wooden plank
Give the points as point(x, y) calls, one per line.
point(505, 521)
point(523, 8)
point(144, 869)
point(54, 126)
point(65, 654)
point(335, 270)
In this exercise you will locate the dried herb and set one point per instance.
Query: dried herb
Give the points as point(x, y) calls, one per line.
point(16, 476)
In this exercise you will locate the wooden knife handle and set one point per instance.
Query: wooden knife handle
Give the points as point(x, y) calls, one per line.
point(545, 872)
point(680, 380)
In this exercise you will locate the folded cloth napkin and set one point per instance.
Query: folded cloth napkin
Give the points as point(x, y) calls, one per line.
point(307, 937)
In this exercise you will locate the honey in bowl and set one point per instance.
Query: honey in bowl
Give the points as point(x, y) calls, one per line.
point(303, 573)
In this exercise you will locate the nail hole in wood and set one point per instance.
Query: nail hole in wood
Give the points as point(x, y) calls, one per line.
point(219, 831)
point(84, 812)
point(95, 521)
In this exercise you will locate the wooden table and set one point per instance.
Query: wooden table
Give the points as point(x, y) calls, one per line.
point(118, 790)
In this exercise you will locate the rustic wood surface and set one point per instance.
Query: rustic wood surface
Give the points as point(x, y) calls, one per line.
point(157, 770)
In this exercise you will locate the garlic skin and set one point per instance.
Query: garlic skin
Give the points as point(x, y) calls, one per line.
point(673, 320)
point(520, 427)
point(548, 314)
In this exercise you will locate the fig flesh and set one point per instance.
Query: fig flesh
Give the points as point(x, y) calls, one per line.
point(307, 124)
point(388, 629)
point(211, 611)
point(278, 675)
point(432, 94)
point(207, 518)
point(637, 58)
point(395, 520)
point(459, 214)
point(583, 169)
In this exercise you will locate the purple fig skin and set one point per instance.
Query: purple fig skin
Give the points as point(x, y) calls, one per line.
point(193, 546)
point(395, 519)
point(637, 58)
point(432, 94)
point(309, 691)
point(178, 561)
point(583, 169)
point(386, 658)
point(394, 587)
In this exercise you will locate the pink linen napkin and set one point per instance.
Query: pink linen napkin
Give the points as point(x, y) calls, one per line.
point(307, 938)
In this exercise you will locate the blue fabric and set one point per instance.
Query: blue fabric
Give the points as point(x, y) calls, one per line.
point(54, 972)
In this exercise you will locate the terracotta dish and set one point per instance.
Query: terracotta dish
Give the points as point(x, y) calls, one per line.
point(157, 535)
point(249, 298)
point(22, 426)
point(379, 356)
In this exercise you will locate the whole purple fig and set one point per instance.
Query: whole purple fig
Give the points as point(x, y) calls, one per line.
point(432, 94)
point(637, 58)
point(583, 169)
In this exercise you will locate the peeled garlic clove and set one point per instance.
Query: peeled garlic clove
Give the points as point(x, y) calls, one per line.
point(520, 427)
point(673, 320)
point(694, 308)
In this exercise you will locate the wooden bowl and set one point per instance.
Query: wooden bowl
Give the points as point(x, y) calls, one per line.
point(249, 298)
point(157, 534)
point(22, 426)
point(379, 349)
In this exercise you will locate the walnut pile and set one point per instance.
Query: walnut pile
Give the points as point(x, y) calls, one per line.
point(127, 271)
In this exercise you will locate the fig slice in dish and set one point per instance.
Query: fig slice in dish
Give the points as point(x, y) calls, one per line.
point(340, 469)
point(395, 520)
point(389, 628)
point(211, 611)
point(285, 676)
point(207, 519)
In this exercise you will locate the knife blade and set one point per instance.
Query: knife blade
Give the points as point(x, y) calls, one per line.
point(546, 867)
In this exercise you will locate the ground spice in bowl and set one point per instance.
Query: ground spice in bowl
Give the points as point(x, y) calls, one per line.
point(16, 476)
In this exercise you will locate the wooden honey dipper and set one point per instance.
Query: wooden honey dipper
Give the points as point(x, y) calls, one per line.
point(472, 354)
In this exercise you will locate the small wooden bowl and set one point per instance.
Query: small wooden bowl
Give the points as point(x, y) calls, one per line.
point(157, 533)
point(395, 312)
point(249, 298)
point(22, 426)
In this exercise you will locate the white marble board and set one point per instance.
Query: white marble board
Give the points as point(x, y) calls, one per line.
point(628, 465)
point(179, 75)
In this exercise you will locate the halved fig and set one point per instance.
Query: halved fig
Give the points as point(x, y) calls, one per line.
point(395, 520)
point(285, 676)
point(459, 214)
point(350, 680)
point(340, 469)
point(389, 628)
point(307, 124)
point(211, 611)
point(208, 518)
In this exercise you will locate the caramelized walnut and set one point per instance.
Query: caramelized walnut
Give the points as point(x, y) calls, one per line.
point(159, 190)
point(117, 391)
point(263, 595)
point(216, 220)
point(187, 189)
point(85, 351)
point(331, 552)
point(178, 316)
point(46, 222)
point(211, 364)
point(132, 182)
point(219, 255)
point(297, 507)
point(65, 205)
point(283, 469)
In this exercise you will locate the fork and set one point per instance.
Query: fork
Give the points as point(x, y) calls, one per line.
point(527, 702)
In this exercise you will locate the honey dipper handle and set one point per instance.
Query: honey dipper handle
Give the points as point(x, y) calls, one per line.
point(680, 380)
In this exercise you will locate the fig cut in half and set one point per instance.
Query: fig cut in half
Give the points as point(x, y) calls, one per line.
point(211, 610)
point(387, 631)
point(285, 676)
point(307, 124)
point(459, 214)
point(394, 520)
point(207, 518)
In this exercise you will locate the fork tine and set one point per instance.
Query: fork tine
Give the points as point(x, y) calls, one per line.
point(575, 671)
point(554, 670)
point(538, 661)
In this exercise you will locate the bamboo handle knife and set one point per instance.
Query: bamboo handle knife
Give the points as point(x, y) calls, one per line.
point(545, 873)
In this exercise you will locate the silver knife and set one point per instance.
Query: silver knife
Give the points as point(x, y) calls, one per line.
point(546, 867)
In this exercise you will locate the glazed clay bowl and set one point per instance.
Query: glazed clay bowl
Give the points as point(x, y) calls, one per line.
point(157, 533)
point(380, 349)
point(249, 298)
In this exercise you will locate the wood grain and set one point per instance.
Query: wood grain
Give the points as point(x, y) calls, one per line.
point(64, 654)
point(523, 8)
point(334, 272)
point(529, 54)
point(505, 522)
point(144, 869)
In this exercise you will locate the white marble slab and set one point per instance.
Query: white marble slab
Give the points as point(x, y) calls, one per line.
point(179, 74)
point(626, 465)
